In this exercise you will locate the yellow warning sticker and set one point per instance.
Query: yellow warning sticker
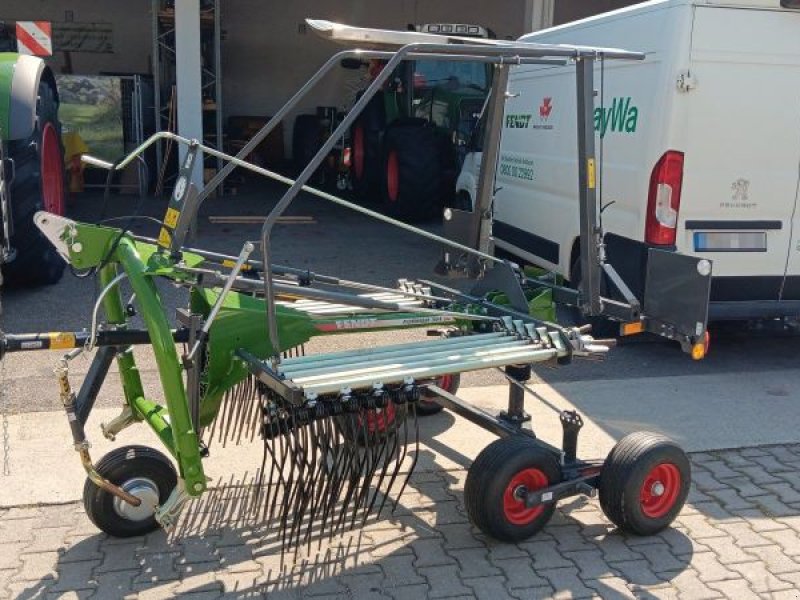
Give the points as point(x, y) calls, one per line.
point(590, 176)
point(164, 238)
point(61, 340)
point(171, 218)
point(227, 262)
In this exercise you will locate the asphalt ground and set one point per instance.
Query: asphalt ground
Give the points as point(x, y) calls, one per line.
point(344, 244)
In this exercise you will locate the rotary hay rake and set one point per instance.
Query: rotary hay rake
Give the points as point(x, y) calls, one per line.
point(339, 430)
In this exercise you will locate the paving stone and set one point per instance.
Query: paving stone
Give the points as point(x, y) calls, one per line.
point(488, 588)
point(681, 544)
point(17, 530)
point(399, 571)
point(718, 469)
point(759, 521)
point(734, 588)
point(46, 539)
point(430, 553)
point(699, 527)
point(28, 590)
point(705, 481)
point(37, 566)
point(638, 572)
point(736, 461)
point(198, 550)
point(690, 587)
point(118, 557)
point(81, 548)
point(710, 569)
point(661, 557)
point(75, 576)
point(545, 554)
point(567, 580)
point(570, 538)
point(783, 453)
point(728, 552)
point(590, 563)
point(519, 573)
point(772, 464)
point(501, 551)
point(10, 555)
point(784, 491)
point(744, 535)
point(474, 562)
point(760, 580)
point(157, 568)
point(198, 577)
point(775, 561)
point(457, 536)
point(744, 486)
point(409, 592)
point(113, 584)
point(699, 458)
point(754, 451)
point(70, 595)
point(730, 499)
point(610, 588)
point(787, 539)
point(758, 475)
point(444, 581)
point(537, 593)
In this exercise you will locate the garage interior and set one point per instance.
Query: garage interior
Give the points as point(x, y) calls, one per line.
point(240, 60)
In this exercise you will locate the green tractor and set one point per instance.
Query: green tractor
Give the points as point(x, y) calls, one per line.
point(32, 167)
point(407, 147)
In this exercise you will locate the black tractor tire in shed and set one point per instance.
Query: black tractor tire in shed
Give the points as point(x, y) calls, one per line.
point(37, 184)
point(365, 142)
point(412, 171)
point(306, 140)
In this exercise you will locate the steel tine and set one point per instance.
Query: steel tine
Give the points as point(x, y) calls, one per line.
point(413, 460)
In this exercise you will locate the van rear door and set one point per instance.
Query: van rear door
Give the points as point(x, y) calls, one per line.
point(743, 150)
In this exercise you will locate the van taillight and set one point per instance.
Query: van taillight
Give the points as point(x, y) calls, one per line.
point(664, 199)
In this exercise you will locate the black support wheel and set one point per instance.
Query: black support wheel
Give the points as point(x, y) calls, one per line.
point(427, 404)
point(412, 172)
point(37, 184)
point(140, 471)
point(497, 483)
point(644, 483)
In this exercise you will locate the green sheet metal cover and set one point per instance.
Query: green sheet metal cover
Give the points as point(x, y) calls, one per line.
point(241, 323)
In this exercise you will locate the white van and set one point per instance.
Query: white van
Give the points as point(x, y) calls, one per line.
point(700, 148)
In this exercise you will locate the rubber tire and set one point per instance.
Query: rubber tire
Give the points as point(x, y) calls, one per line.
point(372, 123)
point(36, 262)
point(602, 328)
point(353, 432)
point(414, 144)
point(488, 478)
point(426, 407)
point(118, 466)
point(623, 474)
point(306, 140)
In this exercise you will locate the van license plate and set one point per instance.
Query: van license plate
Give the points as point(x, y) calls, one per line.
point(733, 241)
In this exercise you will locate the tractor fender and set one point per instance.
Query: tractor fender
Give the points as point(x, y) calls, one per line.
point(20, 76)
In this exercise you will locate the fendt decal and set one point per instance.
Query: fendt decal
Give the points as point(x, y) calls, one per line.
point(620, 117)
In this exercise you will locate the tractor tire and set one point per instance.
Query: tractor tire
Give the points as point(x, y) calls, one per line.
point(306, 140)
point(644, 483)
point(411, 170)
point(365, 141)
point(37, 184)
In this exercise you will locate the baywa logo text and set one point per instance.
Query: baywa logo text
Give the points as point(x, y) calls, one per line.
point(620, 117)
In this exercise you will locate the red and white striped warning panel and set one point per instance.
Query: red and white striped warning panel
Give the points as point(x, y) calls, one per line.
point(35, 37)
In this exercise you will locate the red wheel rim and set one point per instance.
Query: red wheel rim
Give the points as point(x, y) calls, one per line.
point(445, 381)
point(392, 176)
point(358, 152)
point(660, 490)
point(52, 171)
point(514, 506)
point(378, 419)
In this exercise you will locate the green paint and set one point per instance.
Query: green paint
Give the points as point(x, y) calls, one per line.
point(7, 62)
point(620, 117)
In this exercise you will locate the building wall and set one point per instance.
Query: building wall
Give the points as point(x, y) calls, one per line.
point(572, 10)
point(267, 57)
point(131, 30)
